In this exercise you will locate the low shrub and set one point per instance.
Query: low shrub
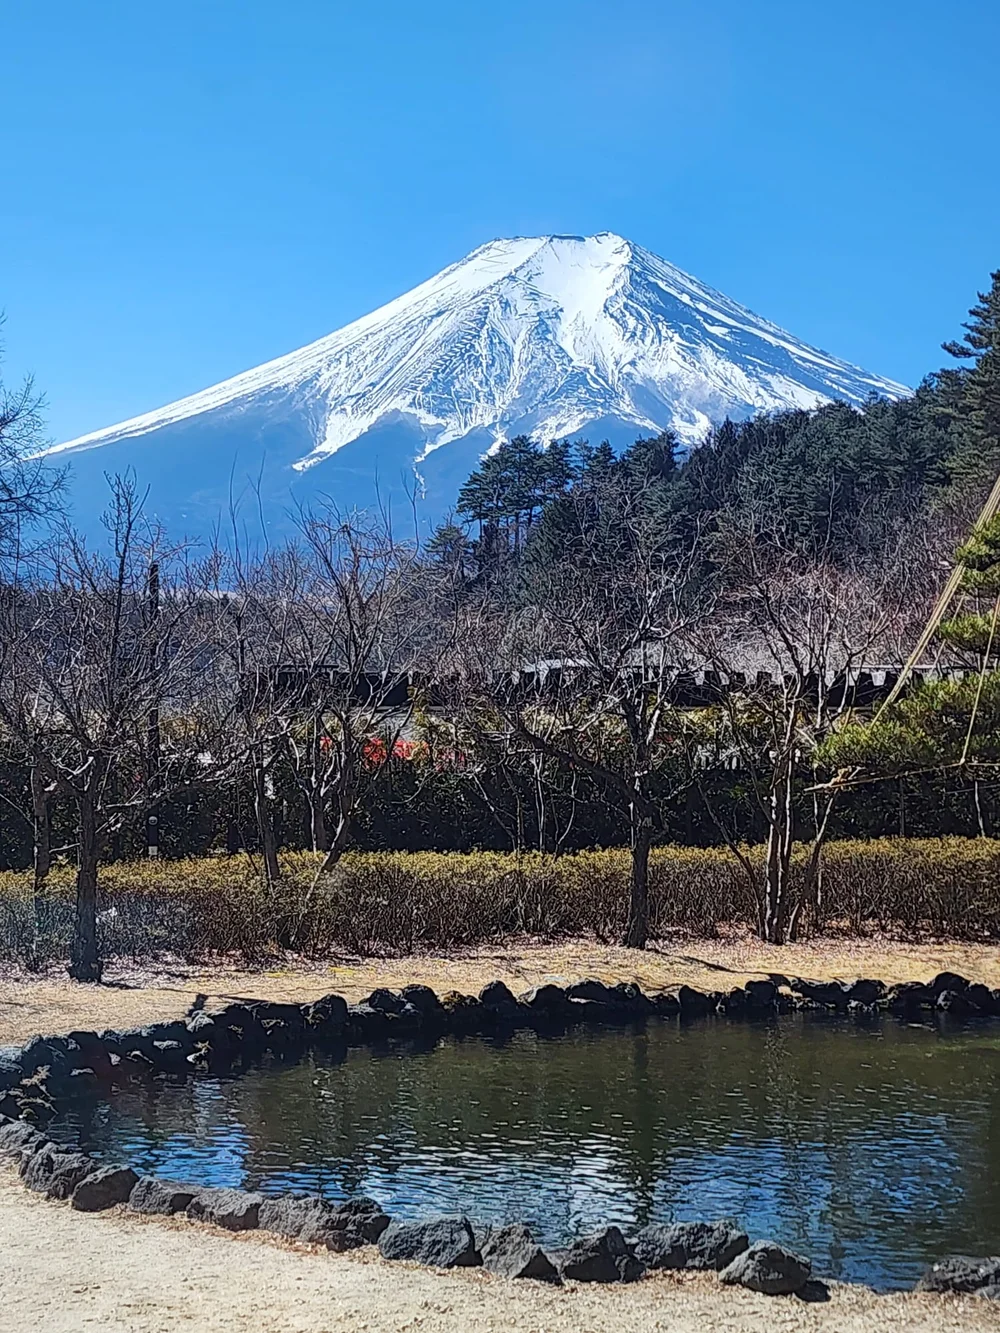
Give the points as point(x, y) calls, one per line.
point(398, 902)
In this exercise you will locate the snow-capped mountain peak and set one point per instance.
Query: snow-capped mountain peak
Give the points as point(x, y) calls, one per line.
point(548, 336)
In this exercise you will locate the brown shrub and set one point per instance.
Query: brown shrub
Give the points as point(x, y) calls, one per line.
point(398, 902)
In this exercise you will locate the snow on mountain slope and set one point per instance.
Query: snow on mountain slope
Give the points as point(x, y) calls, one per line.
point(544, 336)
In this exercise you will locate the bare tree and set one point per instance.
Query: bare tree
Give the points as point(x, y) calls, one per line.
point(790, 637)
point(366, 621)
point(31, 488)
point(580, 670)
point(325, 635)
point(88, 662)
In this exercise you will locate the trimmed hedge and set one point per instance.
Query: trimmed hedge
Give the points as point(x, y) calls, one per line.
point(398, 902)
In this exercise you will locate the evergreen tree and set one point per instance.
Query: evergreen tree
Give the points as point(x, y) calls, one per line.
point(947, 724)
point(972, 392)
point(451, 551)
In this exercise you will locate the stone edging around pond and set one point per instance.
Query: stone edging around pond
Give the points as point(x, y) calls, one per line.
point(40, 1078)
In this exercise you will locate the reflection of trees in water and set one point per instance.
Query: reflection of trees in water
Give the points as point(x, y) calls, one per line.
point(834, 1138)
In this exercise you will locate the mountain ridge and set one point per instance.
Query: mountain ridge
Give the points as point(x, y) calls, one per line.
point(552, 336)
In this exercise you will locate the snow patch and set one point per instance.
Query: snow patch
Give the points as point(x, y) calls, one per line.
point(543, 335)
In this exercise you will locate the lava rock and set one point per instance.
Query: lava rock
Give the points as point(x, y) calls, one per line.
point(17, 1134)
point(959, 1272)
point(236, 1210)
point(137, 1042)
point(990, 1293)
point(830, 994)
point(548, 1001)
point(41, 1052)
point(236, 1027)
point(950, 981)
point(666, 1004)
point(604, 1257)
point(498, 1008)
point(497, 995)
point(307, 1217)
point(359, 1221)
point(89, 1043)
point(512, 1252)
point(386, 1001)
point(82, 1083)
point(464, 1013)
point(423, 999)
point(980, 997)
point(162, 1197)
point(768, 1268)
point(330, 1013)
point(693, 1003)
point(39, 1109)
point(589, 989)
point(952, 1002)
point(442, 1242)
point(909, 996)
point(11, 1073)
point(865, 992)
point(85, 1050)
point(40, 1165)
point(57, 1174)
point(202, 1027)
point(290, 1213)
point(111, 1041)
point(690, 1245)
point(761, 994)
point(626, 996)
point(103, 1188)
point(170, 1056)
point(271, 1011)
point(177, 1030)
point(366, 1024)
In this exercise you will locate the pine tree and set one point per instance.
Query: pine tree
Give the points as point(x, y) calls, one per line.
point(946, 724)
point(450, 549)
point(972, 392)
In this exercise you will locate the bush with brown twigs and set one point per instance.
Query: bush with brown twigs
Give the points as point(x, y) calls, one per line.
point(398, 902)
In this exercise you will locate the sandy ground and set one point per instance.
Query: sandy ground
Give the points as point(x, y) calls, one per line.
point(62, 1271)
point(53, 1005)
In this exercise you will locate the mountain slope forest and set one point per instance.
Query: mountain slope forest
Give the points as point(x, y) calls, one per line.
point(596, 649)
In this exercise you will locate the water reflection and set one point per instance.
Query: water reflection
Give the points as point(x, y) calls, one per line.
point(874, 1149)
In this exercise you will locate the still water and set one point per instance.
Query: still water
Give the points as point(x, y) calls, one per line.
point(873, 1149)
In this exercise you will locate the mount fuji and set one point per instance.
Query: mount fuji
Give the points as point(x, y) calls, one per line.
point(549, 336)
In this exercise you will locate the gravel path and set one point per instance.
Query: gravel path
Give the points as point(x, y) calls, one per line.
point(62, 1271)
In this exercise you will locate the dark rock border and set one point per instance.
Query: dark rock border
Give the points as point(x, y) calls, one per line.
point(47, 1073)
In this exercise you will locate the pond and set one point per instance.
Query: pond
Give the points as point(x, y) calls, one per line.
point(873, 1149)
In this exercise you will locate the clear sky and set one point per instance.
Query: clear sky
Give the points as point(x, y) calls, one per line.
point(195, 186)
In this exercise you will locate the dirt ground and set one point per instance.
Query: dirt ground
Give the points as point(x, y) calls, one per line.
point(63, 1271)
point(132, 998)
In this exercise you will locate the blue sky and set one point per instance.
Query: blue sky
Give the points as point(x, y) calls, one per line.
point(195, 187)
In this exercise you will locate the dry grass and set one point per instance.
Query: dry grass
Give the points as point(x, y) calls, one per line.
point(53, 1004)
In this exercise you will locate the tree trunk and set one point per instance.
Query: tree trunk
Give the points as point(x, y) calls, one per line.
point(265, 823)
point(85, 964)
point(42, 856)
point(637, 929)
point(318, 831)
point(779, 858)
